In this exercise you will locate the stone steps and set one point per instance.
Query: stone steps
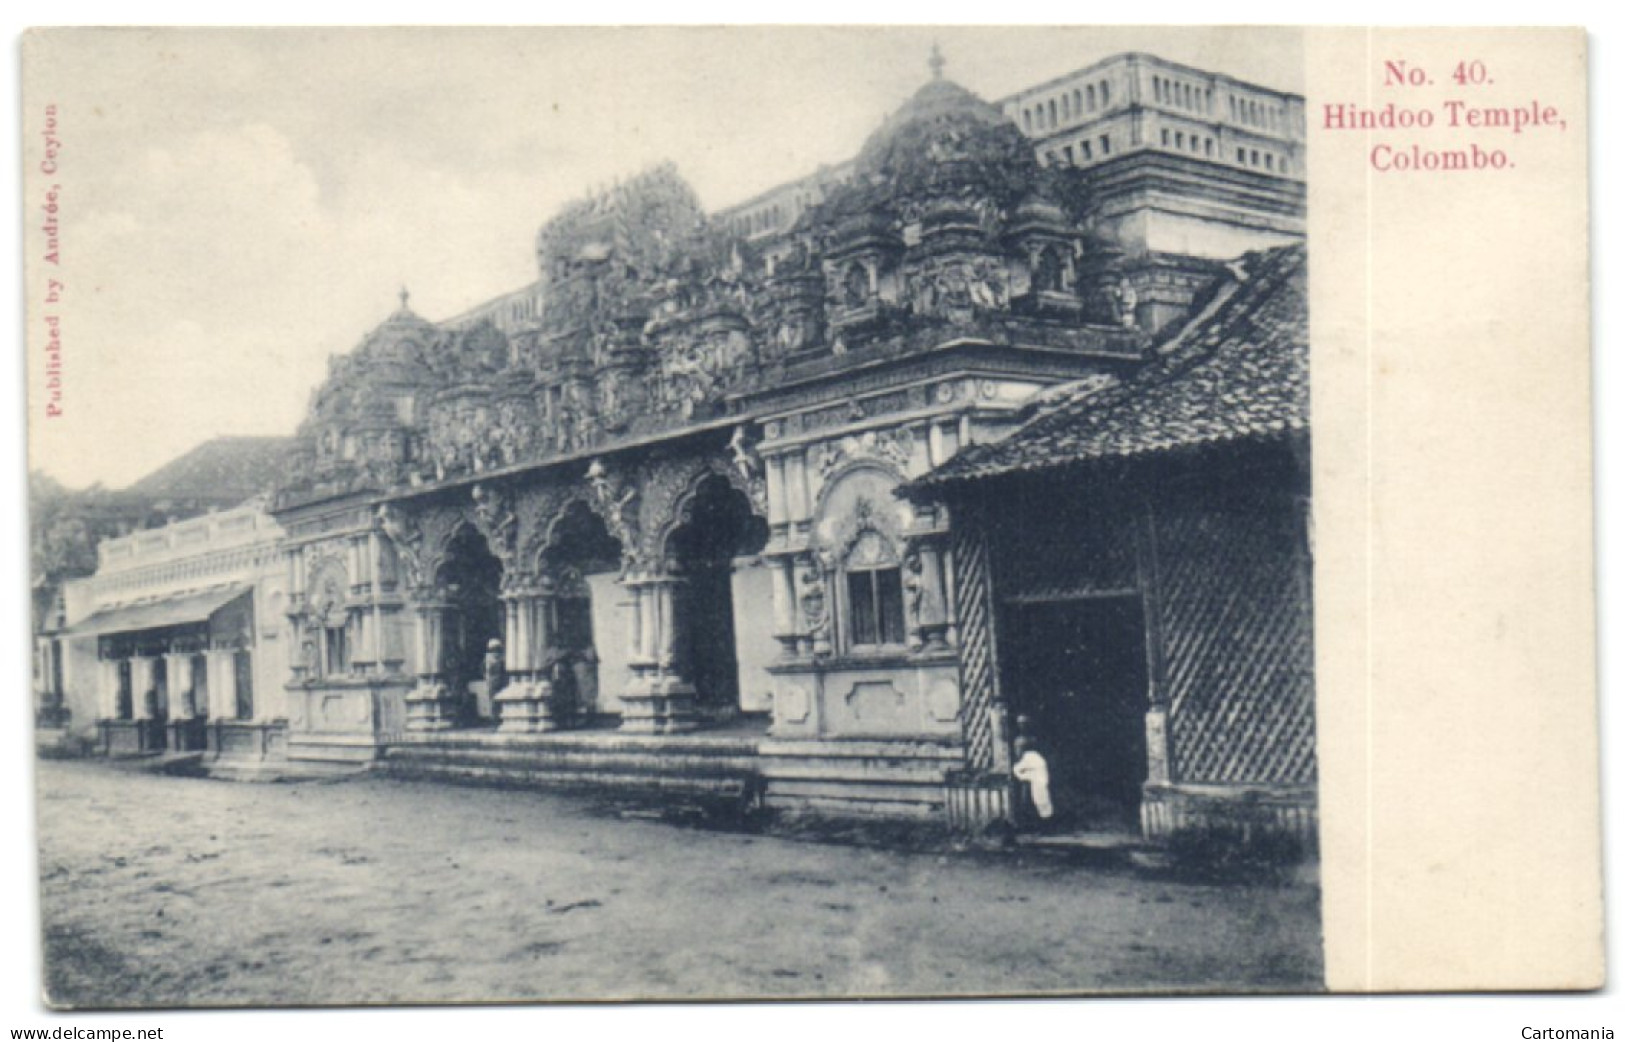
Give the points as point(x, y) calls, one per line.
point(838, 778)
point(718, 767)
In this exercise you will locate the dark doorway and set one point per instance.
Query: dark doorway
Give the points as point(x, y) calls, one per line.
point(471, 577)
point(200, 687)
point(579, 547)
point(718, 525)
point(1075, 673)
point(125, 710)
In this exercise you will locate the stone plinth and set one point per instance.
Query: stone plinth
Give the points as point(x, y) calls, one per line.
point(658, 705)
point(531, 706)
point(430, 707)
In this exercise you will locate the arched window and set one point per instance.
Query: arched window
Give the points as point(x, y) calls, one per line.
point(1105, 94)
point(855, 285)
point(1048, 271)
point(1090, 94)
point(874, 593)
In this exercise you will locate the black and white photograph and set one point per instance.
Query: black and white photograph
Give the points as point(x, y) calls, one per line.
point(645, 514)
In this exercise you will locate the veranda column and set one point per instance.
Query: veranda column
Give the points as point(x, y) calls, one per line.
point(530, 702)
point(106, 700)
point(659, 700)
point(182, 708)
point(634, 622)
point(144, 701)
point(141, 681)
point(430, 705)
point(107, 689)
point(222, 666)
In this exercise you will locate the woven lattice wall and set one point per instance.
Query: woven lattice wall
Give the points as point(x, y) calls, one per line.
point(972, 594)
point(1234, 597)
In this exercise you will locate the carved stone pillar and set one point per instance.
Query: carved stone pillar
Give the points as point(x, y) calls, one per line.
point(667, 596)
point(649, 625)
point(797, 501)
point(778, 519)
point(659, 700)
point(532, 702)
point(785, 629)
point(634, 623)
point(222, 668)
point(431, 706)
point(813, 599)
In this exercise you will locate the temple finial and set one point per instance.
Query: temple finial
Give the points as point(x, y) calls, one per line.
point(405, 296)
point(936, 62)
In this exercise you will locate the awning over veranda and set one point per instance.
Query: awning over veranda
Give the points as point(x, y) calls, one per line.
point(179, 610)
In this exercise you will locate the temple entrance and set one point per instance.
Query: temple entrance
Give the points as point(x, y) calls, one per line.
point(579, 551)
point(718, 525)
point(1075, 673)
point(471, 577)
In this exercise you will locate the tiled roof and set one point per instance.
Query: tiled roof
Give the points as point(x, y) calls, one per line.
point(1238, 370)
point(223, 470)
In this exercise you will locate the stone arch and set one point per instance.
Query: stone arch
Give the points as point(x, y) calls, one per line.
point(563, 535)
point(327, 588)
point(841, 471)
point(469, 578)
point(707, 552)
point(860, 528)
point(573, 555)
point(714, 474)
point(433, 530)
point(672, 491)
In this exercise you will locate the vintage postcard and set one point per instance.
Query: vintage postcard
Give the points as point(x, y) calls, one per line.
point(640, 514)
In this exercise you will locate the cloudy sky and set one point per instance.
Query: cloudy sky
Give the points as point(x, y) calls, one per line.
point(239, 204)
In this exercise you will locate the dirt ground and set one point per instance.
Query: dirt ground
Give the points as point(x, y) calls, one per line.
point(168, 891)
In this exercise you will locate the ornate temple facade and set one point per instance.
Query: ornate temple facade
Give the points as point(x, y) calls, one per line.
point(654, 496)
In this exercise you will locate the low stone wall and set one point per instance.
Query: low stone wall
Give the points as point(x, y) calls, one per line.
point(246, 740)
point(977, 799)
point(1246, 813)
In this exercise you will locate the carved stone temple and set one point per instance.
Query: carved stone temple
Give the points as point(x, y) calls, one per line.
point(667, 515)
